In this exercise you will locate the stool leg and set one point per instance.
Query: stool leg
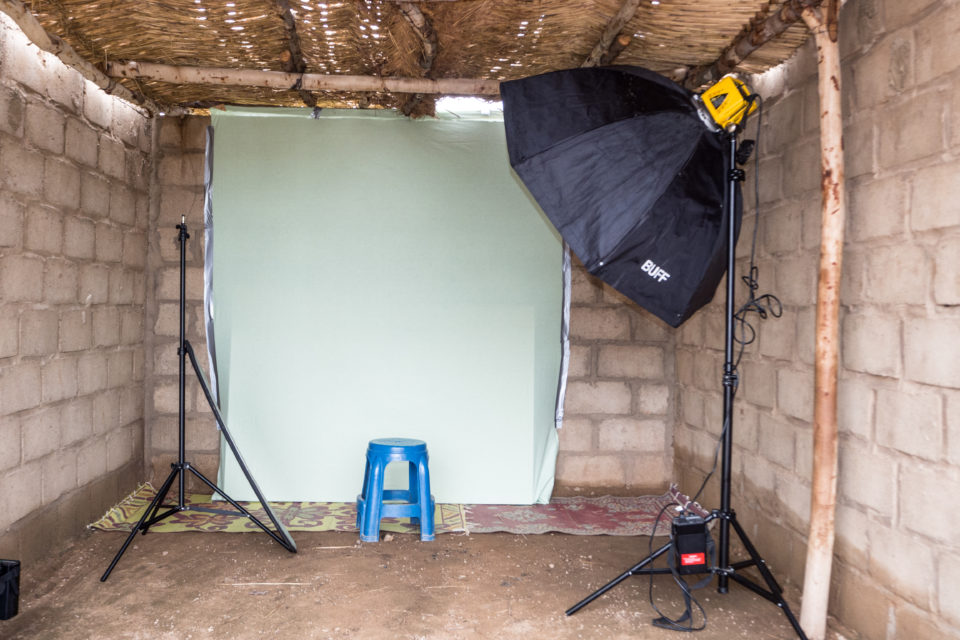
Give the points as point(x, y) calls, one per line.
point(362, 500)
point(373, 500)
point(413, 482)
point(426, 500)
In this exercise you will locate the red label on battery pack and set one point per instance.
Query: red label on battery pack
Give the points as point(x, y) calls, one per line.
point(687, 559)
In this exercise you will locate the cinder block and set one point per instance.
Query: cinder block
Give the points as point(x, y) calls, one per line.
point(855, 404)
point(802, 167)
point(852, 527)
point(630, 361)
point(911, 422)
point(12, 109)
point(946, 278)
point(166, 397)
point(94, 195)
point(168, 324)
point(586, 323)
point(9, 330)
point(912, 130)
point(59, 379)
point(138, 170)
point(61, 183)
point(123, 287)
point(647, 471)
point(929, 351)
point(123, 205)
point(139, 363)
point(135, 249)
point(38, 332)
point(948, 588)
point(867, 478)
point(922, 506)
point(878, 208)
point(183, 169)
point(591, 471)
point(777, 335)
point(575, 435)
point(119, 368)
point(871, 343)
point(10, 437)
point(106, 326)
point(82, 144)
point(94, 284)
point(44, 127)
point(684, 367)
point(11, 220)
point(904, 563)
point(794, 497)
point(898, 275)
point(20, 387)
point(195, 132)
point(109, 242)
point(76, 420)
point(579, 366)
point(131, 406)
point(112, 157)
point(58, 474)
point(91, 461)
point(653, 399)
point(691, 407)
point(630, 434)
point(935, 60)
point(610, 398)
point(806, 335)
point(119, 447)
point(953, 427)
point(914, 622)
point(170, 132)
point(97, 105)
point(106, 411)
point(758, 383)
point(796, 280)
point(168, 287)
point(131, 325)
point(41, 434)
point(898, 14)
point(60, 281)
point(795, 393)
point(781, 230)
point(43, 230)
point(79, 238)
point(126, 122)
point(776, 442)
point(92, 372)
point(780, 121)
point(181, 201)
point(22, 170)
point(21, 493)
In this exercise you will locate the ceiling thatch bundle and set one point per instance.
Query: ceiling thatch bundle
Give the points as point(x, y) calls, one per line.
point(492, 40)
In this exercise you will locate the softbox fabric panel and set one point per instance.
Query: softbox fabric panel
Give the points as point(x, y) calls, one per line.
point(621, 163)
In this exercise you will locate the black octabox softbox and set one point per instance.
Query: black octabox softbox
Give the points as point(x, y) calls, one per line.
point(622, 164)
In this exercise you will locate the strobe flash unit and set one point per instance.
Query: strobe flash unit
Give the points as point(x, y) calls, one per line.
point(689, 537)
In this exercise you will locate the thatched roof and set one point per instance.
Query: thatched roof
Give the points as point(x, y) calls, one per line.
point(438, 39)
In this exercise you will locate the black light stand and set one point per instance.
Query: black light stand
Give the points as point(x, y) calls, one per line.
point(724, 570)
point(181, 466)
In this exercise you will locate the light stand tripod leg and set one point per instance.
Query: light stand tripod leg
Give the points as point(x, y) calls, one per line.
point(142, 523)
point(632, 571)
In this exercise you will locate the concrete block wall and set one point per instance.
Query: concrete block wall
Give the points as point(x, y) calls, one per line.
point(179, 156)
point(618, 415)
point(895, 572)
point(74, 180)
point(618, 424)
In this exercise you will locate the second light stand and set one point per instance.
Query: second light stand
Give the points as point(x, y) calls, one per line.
point(724, 569)
point(181, 467)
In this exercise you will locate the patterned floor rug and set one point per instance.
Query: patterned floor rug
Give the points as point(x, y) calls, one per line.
point(577, 515)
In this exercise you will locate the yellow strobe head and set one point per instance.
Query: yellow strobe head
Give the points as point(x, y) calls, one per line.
point(728, 102)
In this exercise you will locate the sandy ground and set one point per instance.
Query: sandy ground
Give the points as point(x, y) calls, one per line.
point(219, 585)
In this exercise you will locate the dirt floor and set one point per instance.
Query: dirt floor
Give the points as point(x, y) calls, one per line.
point(225, 585)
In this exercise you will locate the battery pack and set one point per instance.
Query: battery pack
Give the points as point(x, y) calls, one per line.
point(689, 538)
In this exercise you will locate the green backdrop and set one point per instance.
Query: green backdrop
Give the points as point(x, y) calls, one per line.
point(378, 276)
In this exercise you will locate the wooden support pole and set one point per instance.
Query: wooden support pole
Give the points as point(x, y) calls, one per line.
point(50, 43)
point(610, 33)
point(292, 59)
point(816, 583)
point(309, 81)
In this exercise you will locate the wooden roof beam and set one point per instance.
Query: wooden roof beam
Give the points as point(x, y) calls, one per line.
point(309, 81)
point(68, 55)
point(292, 59)
point(762, 28)
point(428, 49)
point(612, 41)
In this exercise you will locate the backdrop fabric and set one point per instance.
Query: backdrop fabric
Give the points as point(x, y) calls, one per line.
point(377, 276)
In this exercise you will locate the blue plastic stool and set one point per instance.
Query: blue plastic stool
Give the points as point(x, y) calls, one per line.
point(417, 503)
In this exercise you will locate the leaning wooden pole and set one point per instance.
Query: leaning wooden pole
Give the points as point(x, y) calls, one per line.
point(822, 22)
